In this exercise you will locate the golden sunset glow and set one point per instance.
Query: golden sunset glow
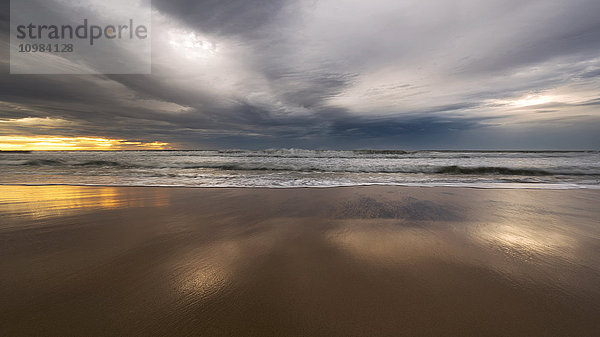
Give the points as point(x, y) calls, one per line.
point(52, 201)
point(55, 143)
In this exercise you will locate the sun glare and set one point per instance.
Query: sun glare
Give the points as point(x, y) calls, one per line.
point(532, 100)
point(192, 45)
point(53, 143)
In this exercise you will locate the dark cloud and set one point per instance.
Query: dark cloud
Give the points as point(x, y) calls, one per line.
point(233, 17)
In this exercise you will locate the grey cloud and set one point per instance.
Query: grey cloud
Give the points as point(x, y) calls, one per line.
point(310, 90)
point(592, 102)
point(591, 74)
point(540, 31)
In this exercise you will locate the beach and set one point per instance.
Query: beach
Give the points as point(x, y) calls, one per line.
point(344, 261)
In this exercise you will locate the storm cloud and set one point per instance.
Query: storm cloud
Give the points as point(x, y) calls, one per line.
point(336, 74)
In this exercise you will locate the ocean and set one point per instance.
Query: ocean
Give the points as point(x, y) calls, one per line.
point(288, 168)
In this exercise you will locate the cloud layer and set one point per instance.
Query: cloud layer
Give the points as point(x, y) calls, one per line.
point(336, 74)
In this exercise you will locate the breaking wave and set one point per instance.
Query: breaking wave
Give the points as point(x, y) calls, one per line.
point(499, 170)
point(312, 167)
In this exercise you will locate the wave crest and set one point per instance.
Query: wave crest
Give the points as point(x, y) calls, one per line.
point(492, 170)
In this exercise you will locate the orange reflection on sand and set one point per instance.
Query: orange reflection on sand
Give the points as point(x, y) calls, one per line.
point(52, 201)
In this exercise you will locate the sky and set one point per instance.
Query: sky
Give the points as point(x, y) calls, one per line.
point(330, 74)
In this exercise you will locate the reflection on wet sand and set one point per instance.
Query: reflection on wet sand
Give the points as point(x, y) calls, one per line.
point(518, 239)
point(376, 261)
point(386, 242)
point(207, 271)
point(37, 202)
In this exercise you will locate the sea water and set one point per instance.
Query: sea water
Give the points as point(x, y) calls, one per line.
point(284, 168)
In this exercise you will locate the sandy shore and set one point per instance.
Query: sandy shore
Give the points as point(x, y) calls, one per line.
point(362, 261)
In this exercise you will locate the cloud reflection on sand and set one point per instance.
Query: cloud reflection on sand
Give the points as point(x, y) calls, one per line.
point(520, 241)
point(531, 253)
point(212, 269)
point(208, 271)
point(385, 242)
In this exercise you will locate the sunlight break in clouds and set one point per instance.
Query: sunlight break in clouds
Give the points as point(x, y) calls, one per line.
point(191, 44)
point(54, 143)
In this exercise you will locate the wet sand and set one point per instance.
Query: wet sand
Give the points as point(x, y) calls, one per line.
point(361, 261)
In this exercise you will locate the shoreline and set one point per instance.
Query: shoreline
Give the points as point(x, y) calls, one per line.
point(566, 188)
